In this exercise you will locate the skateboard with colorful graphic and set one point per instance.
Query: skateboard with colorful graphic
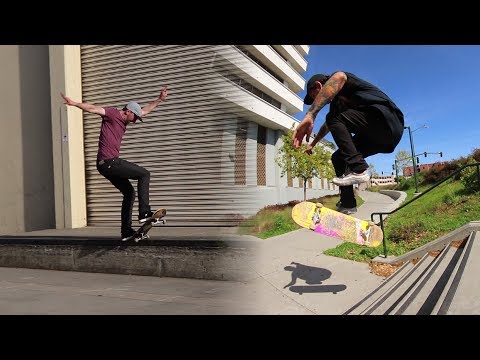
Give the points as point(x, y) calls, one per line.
point(142, 232)
point(316, 217)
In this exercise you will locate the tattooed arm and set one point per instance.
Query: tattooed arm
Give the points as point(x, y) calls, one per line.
point(322, 96)
point(331, 88)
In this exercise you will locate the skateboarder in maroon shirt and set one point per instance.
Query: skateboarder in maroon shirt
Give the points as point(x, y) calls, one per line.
point(117, 170)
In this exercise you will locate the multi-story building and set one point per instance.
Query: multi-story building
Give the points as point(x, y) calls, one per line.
point(264, 82)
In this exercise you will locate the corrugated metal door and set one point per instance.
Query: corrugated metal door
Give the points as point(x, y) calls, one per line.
point(186, 142)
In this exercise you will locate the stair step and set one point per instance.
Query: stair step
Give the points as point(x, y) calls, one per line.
point(463, 296)
point(426, 294)
point(375, 295)
point(397, 294)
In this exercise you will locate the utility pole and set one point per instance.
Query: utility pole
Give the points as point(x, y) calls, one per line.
point(396, 170)
point(413, 158)
point(413, 154)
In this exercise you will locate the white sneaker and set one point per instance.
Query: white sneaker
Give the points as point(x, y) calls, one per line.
point(351, 178)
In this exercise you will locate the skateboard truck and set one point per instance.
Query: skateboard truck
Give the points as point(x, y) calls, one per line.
point(316, 215)
point(159, 221)
point(142, 236)
point(141, 233)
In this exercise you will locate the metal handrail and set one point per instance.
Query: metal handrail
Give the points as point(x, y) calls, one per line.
point(416, 198)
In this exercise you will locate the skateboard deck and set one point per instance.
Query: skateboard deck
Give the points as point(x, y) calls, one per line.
point(142, 231)
point(316, 217)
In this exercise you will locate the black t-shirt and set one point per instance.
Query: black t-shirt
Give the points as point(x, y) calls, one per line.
point(359, 94)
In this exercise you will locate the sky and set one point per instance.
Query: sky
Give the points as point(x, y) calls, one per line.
point(436, 86)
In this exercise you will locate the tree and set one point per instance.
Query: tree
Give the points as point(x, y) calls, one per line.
point(301, 165)
point(371, 168)
point(404, 158)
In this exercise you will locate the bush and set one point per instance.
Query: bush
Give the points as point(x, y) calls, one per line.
point(405, 184)
point(476, 155)
point(451, 199)
point(440, 172)
point(469, 178)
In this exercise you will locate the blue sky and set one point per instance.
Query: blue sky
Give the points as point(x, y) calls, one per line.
point(435, 85)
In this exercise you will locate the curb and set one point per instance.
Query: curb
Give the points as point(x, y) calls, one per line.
point(209, 260)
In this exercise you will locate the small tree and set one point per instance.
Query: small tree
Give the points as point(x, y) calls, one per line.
point(404, 158)
point(302, 165)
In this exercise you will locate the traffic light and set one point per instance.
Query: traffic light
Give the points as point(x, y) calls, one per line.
point(393, 167)
point(441, 154)
point(418, 160)
point(425, 154)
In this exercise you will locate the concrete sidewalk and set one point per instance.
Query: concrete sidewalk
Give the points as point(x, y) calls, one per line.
point(287, 274)
point(294, 277)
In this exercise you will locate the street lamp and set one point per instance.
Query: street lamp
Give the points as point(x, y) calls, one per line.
point(413, 154)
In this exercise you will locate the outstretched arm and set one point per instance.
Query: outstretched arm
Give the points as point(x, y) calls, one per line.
point(84, 106)
point(148, 108)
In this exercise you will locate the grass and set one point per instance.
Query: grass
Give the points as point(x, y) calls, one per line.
point(438, 212)
point(276, 220)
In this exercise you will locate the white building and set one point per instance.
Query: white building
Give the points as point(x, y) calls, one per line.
point(263, 84)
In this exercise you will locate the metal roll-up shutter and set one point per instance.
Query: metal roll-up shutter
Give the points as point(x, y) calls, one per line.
point(186, 142)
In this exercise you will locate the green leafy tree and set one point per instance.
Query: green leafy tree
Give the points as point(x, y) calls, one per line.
point(302, 165)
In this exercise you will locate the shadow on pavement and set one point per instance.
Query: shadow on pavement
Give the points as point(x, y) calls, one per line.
point(317, 289)
point(312, 276)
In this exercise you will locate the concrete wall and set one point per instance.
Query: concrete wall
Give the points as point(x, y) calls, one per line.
point(26, 176)
point(67, 137)
point(265, 195)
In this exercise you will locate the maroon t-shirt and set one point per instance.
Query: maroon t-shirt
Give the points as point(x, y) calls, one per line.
point(111, 133)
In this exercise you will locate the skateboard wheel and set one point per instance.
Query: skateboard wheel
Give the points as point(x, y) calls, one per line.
point(319, 205)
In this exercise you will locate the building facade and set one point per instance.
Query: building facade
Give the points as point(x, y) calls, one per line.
point(210, 147)
point(408, 170)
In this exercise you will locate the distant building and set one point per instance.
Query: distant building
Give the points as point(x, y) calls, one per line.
point(408, 171)
point(382, 180)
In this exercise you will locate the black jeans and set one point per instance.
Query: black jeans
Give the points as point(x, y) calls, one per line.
point(371, 136)
point(118, 171)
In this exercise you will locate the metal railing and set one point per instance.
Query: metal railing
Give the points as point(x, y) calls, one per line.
point(380, 214)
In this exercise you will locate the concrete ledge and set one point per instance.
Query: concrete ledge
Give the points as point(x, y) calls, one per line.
point(204, 259)
point(459, 234)
point(395, 194)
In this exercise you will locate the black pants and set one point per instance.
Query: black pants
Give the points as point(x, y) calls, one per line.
point(118, 171)
point(372, 135)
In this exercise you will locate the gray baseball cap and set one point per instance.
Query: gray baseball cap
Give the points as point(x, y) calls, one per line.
point(135, 108)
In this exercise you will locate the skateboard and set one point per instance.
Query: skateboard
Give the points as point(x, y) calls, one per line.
point(142, 231)
point(329, 222)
